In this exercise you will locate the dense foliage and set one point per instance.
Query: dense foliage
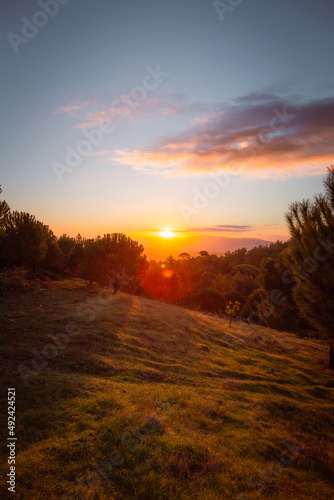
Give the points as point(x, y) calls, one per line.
point(310, 256)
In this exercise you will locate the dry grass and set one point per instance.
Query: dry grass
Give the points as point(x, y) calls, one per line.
point(151, 401)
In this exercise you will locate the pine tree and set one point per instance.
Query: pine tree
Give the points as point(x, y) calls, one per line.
point(310, 257)
point(27, 239)
point(4, 213)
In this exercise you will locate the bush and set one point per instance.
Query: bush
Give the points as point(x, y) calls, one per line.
point(210, 299)
point(232, 309)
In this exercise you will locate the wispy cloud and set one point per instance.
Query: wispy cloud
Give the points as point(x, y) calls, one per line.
point(157, 231)
point(228, 228)
point(119, 110)
point(218, 228)
point(125, 108)
point(222, 228)
point(74, 108)
point(259, 133)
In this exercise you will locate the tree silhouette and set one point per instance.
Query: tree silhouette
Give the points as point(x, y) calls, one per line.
point(28, 241)
point(113, 256)
point(310, 257)
point(4, 213)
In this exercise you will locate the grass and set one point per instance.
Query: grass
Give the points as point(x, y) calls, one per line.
point(120, 397)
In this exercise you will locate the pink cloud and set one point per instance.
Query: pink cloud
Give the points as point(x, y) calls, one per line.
point(262, 135)
point(74, 108)
point(169, 111)
point(123, 108)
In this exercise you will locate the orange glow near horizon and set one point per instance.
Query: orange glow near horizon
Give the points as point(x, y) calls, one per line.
point(173, 240)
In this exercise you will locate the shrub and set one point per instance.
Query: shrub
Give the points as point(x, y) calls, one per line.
point(210, 299)
point(232, 309)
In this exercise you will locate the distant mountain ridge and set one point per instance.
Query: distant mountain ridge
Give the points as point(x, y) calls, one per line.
point(212, 244)
point(222, 244)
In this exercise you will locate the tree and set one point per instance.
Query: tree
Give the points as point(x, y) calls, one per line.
point(277, 307)
point(209, 299)
point(246, 269)
point(231, 309)
point(111, 257)
point(310, 257)
point(4, 213)
point(232, 259)
point(71, 254)
point(272, 251)
point(204, 253)
point(51, 260)
point(27, 240)
point(237, 282)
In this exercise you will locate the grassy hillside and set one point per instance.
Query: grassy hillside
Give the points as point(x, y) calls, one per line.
point(144, 400)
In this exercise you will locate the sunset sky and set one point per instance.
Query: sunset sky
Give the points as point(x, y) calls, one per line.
point(202, 117)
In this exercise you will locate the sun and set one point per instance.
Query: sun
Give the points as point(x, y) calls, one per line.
point(167, 233)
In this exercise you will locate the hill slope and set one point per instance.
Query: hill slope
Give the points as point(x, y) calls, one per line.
point(119, 397)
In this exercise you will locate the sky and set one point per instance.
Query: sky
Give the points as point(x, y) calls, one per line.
point(207, 118)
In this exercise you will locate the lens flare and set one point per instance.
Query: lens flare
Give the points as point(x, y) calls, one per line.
point(167, 273)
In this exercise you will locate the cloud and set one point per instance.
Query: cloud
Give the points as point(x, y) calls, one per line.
point(124, 107)
point(259, 133)
point(74, 108)
point(120, 110)
point(218, 228)
point(223, 228)
point(162, 229)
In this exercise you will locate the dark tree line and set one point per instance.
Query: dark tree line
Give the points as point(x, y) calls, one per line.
point(27, 242)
